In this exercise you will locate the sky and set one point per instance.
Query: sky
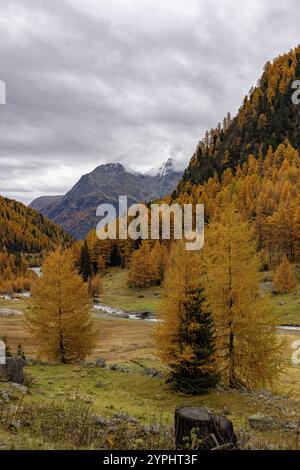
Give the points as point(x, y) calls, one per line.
point(130, 81)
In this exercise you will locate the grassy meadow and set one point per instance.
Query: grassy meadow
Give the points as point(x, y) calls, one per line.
point(130, 345)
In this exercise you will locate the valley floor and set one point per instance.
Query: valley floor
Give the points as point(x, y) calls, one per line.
point(124, 386)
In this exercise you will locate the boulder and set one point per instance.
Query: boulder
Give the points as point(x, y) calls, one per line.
point(262, 422)
point(199, 429)
point(20, 388)
point(13, 369)
point(100, 362)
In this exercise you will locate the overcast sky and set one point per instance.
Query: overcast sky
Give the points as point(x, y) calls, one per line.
point(130, 81)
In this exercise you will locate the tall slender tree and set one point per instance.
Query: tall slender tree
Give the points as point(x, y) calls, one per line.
point(248, 350)
point(85, 262)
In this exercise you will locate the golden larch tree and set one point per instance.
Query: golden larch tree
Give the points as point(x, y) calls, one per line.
point(284, 280)
point(248, 351)
point(60, 316)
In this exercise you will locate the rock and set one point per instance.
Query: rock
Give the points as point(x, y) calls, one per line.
point(226, 410)
point(5, 397)
point(118, 368)
point(29, 361)
point(199, 429)
point(13, 369)
point(265, 394)
point(101, 421)
point(100, 362)
point(292, 426)
point(262, 422)
point(153, 373)
point(124, 417)
point(99, 384)
point(20, 388)
point(15, 424)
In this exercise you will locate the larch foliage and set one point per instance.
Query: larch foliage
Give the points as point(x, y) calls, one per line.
point(284, 280)
point(60, 316)
point(248, 350)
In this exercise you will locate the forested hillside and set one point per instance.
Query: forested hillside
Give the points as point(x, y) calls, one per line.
point(25, 230)
point(266, 118)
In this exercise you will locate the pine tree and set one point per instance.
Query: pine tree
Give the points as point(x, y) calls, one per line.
point(185, 337)
point(284, 279)
point(248, 351)
point(85, 262)
point(60, 317)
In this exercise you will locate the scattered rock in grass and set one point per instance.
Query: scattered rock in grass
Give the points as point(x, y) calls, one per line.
point(121, 416)
point(15, 424)
point(99, 384)
point(118, 368)
point(153, 373)
point(29, 361)
point(101, 421)
point(262, 422)
point(5, 396)
point(100, 362)
point(20, 388)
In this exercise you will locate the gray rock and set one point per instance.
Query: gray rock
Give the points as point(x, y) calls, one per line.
point(5, 397)
point(99, 384)
point(124, 417)
point(262, 422)
point(101, 421)
point(226, 410)
point(20, 388)
point(100, 362)
point(153, 373)
point(13, 369)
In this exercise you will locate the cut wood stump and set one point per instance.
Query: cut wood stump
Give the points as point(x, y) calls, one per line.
point(198, 428)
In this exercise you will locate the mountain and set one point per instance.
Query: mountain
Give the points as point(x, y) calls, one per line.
point(76, 210)
point(23, 229)
point(266, 118)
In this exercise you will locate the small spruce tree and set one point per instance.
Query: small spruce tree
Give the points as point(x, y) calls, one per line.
point(85, 262)
point(185, 337)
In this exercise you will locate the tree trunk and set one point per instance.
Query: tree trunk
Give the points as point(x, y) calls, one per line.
point(197, 428)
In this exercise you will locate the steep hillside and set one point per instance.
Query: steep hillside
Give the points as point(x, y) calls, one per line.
point(76, 211)
point(24, 229)
point(266, 118)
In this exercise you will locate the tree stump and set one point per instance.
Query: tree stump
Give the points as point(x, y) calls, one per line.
point(13, 369)
point(199, 429)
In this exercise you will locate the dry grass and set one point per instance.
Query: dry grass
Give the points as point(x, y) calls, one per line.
point(118, 339)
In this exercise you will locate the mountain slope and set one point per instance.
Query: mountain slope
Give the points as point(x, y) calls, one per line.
point(24, 229)
point(266, 118)
point(76, 211)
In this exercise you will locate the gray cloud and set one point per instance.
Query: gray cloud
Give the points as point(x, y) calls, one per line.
point(121, 80)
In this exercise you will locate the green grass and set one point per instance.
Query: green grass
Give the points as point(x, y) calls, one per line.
point(286, 308)
point(118, 294)
point(142, 397)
